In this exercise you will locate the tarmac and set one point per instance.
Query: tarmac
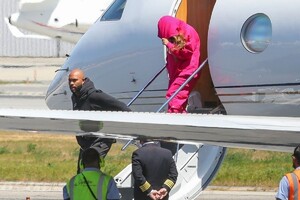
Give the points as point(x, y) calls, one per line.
point(28, 70)
point(24, 82)
point(52, 191)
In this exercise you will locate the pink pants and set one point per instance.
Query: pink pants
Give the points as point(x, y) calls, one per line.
point(179, 102)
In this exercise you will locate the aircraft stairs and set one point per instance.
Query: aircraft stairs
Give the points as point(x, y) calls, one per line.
point(197, 164)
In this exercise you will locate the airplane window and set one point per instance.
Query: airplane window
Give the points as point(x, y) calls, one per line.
point(256, 33)
point(115, 11)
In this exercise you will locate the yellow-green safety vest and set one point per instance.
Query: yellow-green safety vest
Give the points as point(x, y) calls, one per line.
point(98, 182)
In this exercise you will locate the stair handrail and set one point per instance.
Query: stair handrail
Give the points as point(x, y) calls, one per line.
point(143, 89)
point(175, 93)
point(181, 87)
point(136, 96)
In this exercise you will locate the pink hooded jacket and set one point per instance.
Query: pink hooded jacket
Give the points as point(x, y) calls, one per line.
point(180, 63)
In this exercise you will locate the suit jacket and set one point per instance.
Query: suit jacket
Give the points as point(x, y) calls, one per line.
point(153, 167)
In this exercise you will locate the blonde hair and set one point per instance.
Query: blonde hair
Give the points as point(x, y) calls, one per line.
point(180, 41)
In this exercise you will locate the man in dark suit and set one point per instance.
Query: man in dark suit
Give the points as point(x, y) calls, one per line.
point(154, 171)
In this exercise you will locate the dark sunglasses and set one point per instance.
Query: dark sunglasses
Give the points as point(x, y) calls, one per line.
point(172, 40)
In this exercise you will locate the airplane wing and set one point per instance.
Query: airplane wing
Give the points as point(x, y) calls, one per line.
point(268, 133)
point(197, 164)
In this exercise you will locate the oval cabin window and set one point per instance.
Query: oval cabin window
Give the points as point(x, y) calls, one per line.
point(256, 33)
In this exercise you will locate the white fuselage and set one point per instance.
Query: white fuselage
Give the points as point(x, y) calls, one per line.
point(121, 56)
point(265, 83)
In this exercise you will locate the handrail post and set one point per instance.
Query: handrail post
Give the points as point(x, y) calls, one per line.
point(127, 144)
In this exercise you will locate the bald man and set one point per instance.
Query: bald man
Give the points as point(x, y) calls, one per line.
point(86, 97)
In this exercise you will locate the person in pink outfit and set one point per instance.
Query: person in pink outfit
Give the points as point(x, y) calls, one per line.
point(183, 53)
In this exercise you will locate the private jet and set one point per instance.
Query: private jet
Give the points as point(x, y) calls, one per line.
point(247, 95)
point(67, 20)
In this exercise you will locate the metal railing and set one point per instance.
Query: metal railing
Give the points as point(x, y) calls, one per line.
point(143, 89)
point(184, 84)
point(175, 93)
point(136, 96)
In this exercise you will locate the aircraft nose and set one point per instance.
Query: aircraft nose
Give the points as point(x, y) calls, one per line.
point(12, 19)
point(58, 95)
